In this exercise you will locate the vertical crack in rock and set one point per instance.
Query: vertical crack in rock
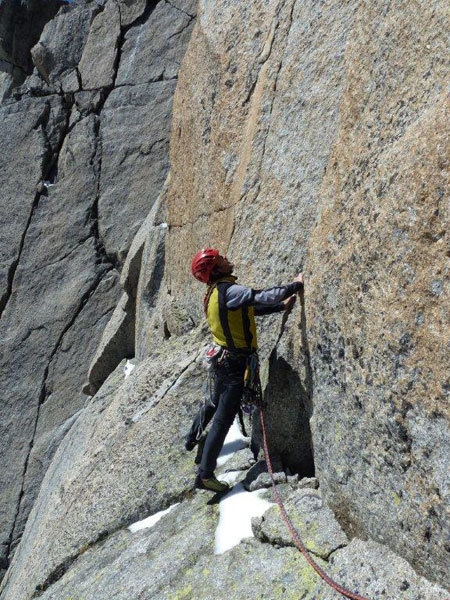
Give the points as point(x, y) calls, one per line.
point(268, 46)
point(306, 353)
point(280, 372)
point(47, 173)
point(50, 172)
point(102, 258)
point(120, 43)
point(125, 29)
point(83, 301)
point(96, 161)
point(13, 267)
point(254, 121)
point(277, 76)
point(43, 397)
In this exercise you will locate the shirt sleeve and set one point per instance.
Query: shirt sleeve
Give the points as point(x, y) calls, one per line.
point(273, 296)
point(261, 310)
point(239, 295)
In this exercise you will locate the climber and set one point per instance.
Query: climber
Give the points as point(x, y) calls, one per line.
point(230, 310)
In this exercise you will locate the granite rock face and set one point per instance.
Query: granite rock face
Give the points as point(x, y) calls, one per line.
point(379, 269)
point(75, 155)
point(120, 460)
point(317, 136)
point(21, 25)
point(136, 126)
point(54, 278)
point(382, 357)
point(60, 47)
point(265, 127)
point(305, 135)
point(122, 466)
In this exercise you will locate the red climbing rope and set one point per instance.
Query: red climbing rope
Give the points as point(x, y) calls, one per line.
point(333, 584)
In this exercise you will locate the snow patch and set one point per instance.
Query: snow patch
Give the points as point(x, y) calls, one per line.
point(152, 520)
point(238, 506)
point(236, 511)
point(128, 368)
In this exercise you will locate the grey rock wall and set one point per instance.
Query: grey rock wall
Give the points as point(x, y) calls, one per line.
point(84, 154)
point(379, 272)
point(305, 135)
point(316, 136)
point(55, 273)
point(21, 25)
point(122, 462)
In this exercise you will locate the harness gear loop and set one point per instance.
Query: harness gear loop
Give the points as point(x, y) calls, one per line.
point(296, 538)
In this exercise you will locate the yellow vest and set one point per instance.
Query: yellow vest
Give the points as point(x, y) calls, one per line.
point(232, 329)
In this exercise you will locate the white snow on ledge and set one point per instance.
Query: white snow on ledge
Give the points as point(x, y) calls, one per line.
point(152, 520)
point(128, 368)
point(238, 506)
point(236, 511)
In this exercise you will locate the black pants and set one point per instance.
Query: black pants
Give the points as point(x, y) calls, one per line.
point(226, 400)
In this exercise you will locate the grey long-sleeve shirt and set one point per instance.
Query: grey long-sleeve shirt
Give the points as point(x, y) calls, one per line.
point(264, 301)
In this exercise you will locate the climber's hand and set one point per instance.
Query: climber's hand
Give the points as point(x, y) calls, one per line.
point(299, 278)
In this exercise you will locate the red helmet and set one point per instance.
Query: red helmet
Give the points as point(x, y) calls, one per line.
point(203, 263)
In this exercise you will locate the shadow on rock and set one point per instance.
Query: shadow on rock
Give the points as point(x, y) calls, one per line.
point(286, 413)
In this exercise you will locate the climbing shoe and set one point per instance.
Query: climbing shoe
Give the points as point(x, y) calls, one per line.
point(212, 484)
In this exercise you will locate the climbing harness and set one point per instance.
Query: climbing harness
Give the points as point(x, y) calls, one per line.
point(213, 357)
point(333, 584)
